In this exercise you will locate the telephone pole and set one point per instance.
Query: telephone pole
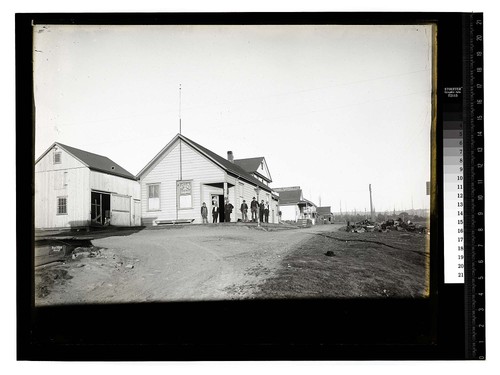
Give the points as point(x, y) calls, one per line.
point(371, 203)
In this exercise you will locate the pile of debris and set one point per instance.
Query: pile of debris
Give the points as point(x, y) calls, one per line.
point(86, 252)
point(398, 225)
point(401, 225)
point(362, 226)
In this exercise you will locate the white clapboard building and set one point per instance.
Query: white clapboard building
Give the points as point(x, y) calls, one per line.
point(184, 174)
point(76, 188)
point(294, 207)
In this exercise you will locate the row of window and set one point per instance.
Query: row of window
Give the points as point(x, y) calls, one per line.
point(184, 195)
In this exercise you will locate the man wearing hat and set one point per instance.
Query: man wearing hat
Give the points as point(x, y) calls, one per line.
point(244, 210)
point(261, 211)
point(228, 209)
point(253, 207)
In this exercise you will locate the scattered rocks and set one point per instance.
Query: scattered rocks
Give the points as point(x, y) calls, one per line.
point(82, 254)
point(129, 266)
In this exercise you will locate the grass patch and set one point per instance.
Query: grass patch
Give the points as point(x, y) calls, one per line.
point(368, 265)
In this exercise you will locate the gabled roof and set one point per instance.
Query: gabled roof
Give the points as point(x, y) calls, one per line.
point(290, 196)
point(93, 161)
point(225, 164)
point(252, 165)
point(325, 210)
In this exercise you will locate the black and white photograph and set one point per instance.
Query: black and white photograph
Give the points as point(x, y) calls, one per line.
point(232, 162)
point(196, 186)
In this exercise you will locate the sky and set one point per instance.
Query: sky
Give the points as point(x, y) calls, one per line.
point(332, 108)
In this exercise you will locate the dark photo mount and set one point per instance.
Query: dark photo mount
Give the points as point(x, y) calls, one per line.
point(439, 327)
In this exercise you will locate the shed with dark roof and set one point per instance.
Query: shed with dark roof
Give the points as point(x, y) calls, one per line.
point(77, 188)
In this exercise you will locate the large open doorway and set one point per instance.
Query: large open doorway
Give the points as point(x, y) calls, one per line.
point(221, 208)
point(218, 200)
point(100, 208)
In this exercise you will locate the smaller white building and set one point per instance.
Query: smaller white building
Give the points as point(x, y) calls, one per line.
point(76, 188)
point(293, 206)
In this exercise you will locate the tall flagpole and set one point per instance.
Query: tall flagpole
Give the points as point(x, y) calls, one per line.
point(180, 106)
point(180, 154)
point(180, 132)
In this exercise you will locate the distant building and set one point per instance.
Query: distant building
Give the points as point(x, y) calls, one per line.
point(184, 174)
point(76, 188)
point(294, 206)
point(324, 215)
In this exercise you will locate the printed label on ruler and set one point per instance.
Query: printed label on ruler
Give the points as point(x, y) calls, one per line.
point(453, 199)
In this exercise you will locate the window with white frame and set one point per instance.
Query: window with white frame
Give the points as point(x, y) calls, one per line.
point(154, 197)
point(62, 205)
point(185, 194)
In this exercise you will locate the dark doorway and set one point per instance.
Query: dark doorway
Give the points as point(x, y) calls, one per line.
point(221, 208)
point(100, 208)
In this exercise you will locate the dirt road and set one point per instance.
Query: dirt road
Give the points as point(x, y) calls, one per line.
point(178, 263)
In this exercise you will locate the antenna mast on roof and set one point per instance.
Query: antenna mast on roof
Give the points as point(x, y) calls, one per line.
point(180, 153)
point(180, 133)
point(180, 102)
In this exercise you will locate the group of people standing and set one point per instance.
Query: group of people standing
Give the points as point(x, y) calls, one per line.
point(262, 209)
point(228, 209)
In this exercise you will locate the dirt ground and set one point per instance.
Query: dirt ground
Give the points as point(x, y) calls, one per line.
point(366, 265)
point(236, 262)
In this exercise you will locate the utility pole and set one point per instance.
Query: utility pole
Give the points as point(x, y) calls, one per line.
point(371, 204)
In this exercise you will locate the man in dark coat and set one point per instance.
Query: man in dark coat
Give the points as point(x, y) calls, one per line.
point(215, 212)
point(253, 207)
point(261, 211)
point(228, 209)
point(244, 210)
point(204, 213)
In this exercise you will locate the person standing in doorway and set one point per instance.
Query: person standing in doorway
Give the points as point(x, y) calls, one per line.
point(261, 211)
point(204, 213)
point(215, 212)
point(244, 210)
point(228, 209)
point(253, 208)
point(266, 212)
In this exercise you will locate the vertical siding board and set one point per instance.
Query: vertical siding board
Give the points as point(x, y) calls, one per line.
point(76, 191)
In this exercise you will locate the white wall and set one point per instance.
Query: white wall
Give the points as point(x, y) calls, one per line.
point(289, 212)
point(67, 161)
point(114, 184)
point(69, 179)
point(123, 191)
point(247, 192)
point(166, 172)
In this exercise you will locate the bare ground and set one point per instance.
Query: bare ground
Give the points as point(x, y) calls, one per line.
point(237, 262)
